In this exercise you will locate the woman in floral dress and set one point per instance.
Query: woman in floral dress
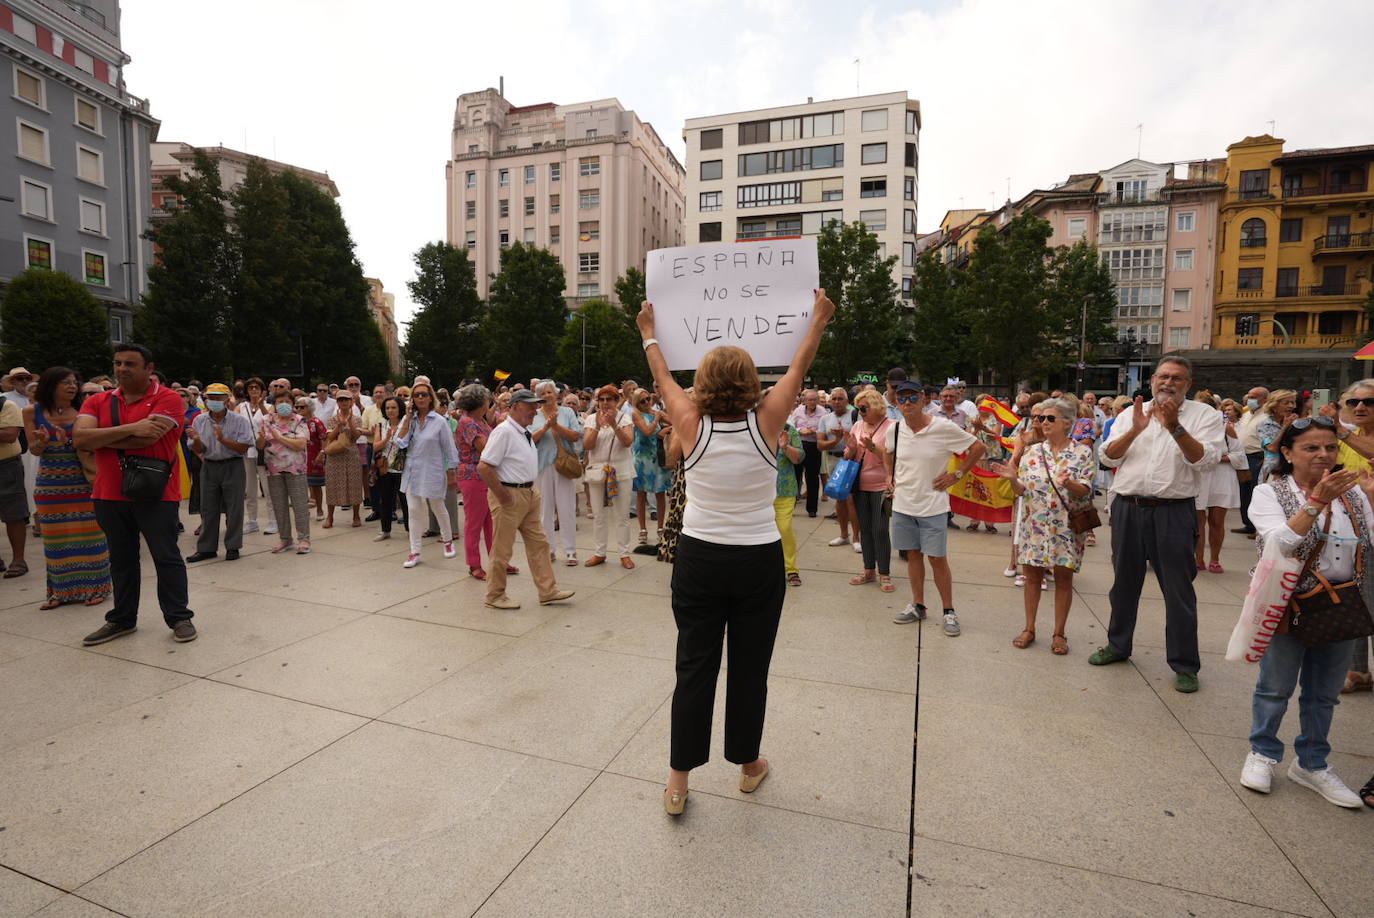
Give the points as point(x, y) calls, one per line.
point(1053, 478)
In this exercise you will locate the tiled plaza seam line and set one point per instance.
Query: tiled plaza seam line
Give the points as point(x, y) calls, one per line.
point(64, 892)
point(1225, 780)
point(568, 808)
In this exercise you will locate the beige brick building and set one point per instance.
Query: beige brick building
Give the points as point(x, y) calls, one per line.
point(382, 306)
point(590, 182)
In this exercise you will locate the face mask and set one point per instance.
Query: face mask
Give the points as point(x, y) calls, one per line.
point(215, 405)
point(1252, 403)
point(283, 409)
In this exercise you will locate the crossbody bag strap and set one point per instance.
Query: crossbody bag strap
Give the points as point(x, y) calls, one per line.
point(1312, 558)
point(114, 416)
point(1049, 473)
point(1355, 524)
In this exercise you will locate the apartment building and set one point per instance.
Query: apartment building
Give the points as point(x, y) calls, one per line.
point(176, 159)
point(382, 307)
point(788, 171)
point(590, 182)
point(76, 176)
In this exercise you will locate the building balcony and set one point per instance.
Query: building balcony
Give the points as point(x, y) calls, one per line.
point(768, 234)
point(1307, 191)
point(1272, 339)
point(1333, 290)
point(1343, 242)
point(1121, 200)
point(1252, 194)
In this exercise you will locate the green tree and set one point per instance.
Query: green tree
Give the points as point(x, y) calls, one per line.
point(1080, 301)
point(630, 293)
point(441, 339)
point(1003, 296)
point(612, 349)
point(50, 319)
point(526, 313)
point(939, 346)
point(185, 318)
point(869, 330)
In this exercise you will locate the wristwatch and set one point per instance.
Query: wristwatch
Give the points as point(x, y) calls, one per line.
point(1178, 432)
point(1312, 511)
point(958, 476)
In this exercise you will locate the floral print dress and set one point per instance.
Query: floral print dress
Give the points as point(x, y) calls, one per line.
point(1044, 538)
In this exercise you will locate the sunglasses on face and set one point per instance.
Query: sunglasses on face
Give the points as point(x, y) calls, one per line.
point(1044, 418)
point(1353, 402)
point(907, 399)
point(1320, 421)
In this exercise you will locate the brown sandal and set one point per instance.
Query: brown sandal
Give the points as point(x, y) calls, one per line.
point(1059, 645)
point(50, 603)
point(1022, 641)
point(865, 577)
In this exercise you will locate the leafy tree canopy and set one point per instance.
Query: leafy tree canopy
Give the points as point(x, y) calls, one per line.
point(50, 319)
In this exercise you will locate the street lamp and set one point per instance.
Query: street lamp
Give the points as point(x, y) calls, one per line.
point(580, 315)
point(1082, 344)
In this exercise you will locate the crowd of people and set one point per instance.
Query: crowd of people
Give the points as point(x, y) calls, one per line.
point(720, 470)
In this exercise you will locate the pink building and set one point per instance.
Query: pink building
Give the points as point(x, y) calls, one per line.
point(589, 182)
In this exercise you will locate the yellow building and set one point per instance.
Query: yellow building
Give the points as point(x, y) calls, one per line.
point(1293, 261)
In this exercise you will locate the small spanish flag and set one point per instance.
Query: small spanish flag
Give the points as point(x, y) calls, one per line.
point(998, 410)
point(501, 375)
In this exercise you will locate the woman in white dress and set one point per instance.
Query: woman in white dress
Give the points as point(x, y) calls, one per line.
point(1219, 493)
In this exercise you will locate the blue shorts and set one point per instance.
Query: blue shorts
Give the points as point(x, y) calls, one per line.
point(925, 534)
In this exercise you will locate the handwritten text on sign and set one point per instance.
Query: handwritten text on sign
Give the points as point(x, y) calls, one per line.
point(754, 295)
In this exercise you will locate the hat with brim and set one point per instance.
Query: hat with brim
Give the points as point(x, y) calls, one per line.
point(908, 385)
point(218, 388)
point(524, 395)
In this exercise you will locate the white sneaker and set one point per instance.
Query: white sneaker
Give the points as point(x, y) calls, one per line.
point(449, 550)
point(271, 529)
point(858, 549)
point(1325, 783)
point(838, 540)
point(411, 561)
point(250, 526)
point(381, 537)
point(1258, 773)
point(951, 625)
point(1009, 572)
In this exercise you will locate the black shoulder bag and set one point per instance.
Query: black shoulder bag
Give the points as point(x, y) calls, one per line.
point(145, 477)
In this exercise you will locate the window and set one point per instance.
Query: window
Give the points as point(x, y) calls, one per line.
point(589, 200)
point(873, 188)
point(471, 239)
point(469, 179)
point(799, 159)
point(93, 264)
point(1252, 234)
point(825, 125)
point(708, 232)
point(875, 120)
point(555, 172)
point(88, 115)
point(117, 329)
point(1132, 226)
point(555, 204)
point(90, 165)
point(503, 208)
point(710, 169)
point(873, 219)
point(38, 252)
point(709, 200)
point(1330, 323)
point(471, 211)
point(529, 207)
point(1183, 259)
point(871, 153)
point(1135, 264)
point(83, 61)
point(555, 235)
point(1184, 221)
point(1179, 337)
point(36, 199)
point(906, 288)
point(814, 221)
point(589, 261)
point(909, 221)
point(33, 143)
point(1287, 282)
point(591, 132)
point(591, 165)
point(30, 88)
point(1130, 190)
point(1254, 183)
point(503, 238)
point(503, 178)
point(1290, 229)
point(712, 139)
point(1078, 227)
point(831, 189)
point(1139, 301)
point(910, 158)
point(92, 217)
point(25, 30)
point(472, 148)
point(1182, 299)
point(909, 188)
point(529, 175)
point(1250, 279)
point(911, 122)
point(588, 230)
point(753, 229)
point(529, 235)
point(908, 254)
point(585, 290)
point(773, 194)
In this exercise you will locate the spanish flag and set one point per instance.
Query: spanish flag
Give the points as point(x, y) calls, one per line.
point(501, 375)
point(998, 410)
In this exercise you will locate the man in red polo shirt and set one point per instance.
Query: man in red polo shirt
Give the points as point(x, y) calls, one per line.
point(150, 421)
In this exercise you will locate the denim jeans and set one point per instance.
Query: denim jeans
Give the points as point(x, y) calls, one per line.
point(1321, 671)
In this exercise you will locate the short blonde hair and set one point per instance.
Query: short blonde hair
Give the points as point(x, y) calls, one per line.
point(1279, 395)
point(726, 382)
point(870, 399)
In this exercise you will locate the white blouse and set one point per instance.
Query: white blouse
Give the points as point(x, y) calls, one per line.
point(1337, 559)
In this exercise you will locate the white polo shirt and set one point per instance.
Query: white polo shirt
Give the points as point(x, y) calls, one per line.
point(921, 458)
point(511, 451)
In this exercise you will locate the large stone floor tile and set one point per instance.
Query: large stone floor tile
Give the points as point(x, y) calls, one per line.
point(371, 585)
point(388, 821)
point(259, 569)
point(20, 895)
point(1129, 800)
point(565, 703)
point(74, 907)
point(462, 605)
point(31, 589)
point(46, 693)
point(12, 647)
point(78, 802)
point(834, 632)
point(836, 751)
point(366, 666)
point(618, 621)
point(67, 625)
point(233, 627)
point(1329, 845)
point(1214, 621)
point(615, 853)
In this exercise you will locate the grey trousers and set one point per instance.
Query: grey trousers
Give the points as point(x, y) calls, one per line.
point(289, 494)
point(1164, 537)
point(221, 492)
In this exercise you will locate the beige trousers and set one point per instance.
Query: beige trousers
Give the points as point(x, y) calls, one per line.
point(521, 515)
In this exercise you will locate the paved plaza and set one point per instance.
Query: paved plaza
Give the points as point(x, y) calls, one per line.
point(348, 738)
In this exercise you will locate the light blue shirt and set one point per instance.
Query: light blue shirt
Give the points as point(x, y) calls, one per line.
point(548, 449)
point(430, 453)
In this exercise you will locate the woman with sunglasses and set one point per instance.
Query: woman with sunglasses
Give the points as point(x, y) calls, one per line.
point(1356, 408)
point(431, 457)
point(1053, 478)
point(865, 446)
point(1281, 408)
point(1323, 515)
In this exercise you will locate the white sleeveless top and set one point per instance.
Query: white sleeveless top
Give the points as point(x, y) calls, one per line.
point(732, 480)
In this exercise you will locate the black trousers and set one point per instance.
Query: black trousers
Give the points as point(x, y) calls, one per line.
point(1247, 488)
point(1164, 537)
point(739, 588)
point(810, 469)
point(384, 500)
point(124, 521)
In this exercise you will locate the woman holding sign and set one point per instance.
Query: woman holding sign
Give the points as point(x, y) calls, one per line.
point(729, 571)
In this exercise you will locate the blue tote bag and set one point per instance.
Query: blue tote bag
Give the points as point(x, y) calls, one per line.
point(842, 479)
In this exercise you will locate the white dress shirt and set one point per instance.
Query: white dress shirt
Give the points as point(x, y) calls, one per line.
point(511, 451)
point(1154, 465)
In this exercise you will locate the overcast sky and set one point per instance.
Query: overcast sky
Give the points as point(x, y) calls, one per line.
point(1021, 90)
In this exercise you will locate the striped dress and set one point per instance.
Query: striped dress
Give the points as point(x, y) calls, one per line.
point(74, 547)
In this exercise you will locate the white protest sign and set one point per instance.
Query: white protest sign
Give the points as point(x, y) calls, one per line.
point(754, 295)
